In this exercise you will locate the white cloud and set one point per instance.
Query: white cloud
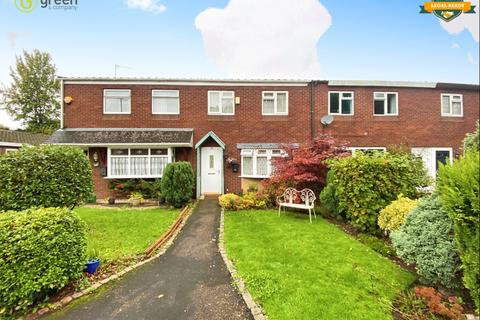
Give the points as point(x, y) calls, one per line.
point(470, 58)
point(455, 46)
point(154, 6)
point(265, 38)
point(464, 21)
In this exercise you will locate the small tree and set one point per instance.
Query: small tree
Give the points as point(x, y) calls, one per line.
point(33, 97)
point(44, 176)
point(458, 186)
point(305, 167)
point(178, 183)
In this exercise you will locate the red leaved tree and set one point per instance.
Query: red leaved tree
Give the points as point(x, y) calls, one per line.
point(304, 167)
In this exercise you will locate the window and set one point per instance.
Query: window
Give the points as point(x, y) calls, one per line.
point(116, 101)
point(257, 163)
point(221, 102)
point(452, 105)
point(385, 103)
point(165, 102)
point(138, 162)
point(340, 103)
point(10, 150)
point(275, 103)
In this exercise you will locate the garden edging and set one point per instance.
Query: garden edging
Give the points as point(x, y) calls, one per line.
point(66, 300)
point(255, 309)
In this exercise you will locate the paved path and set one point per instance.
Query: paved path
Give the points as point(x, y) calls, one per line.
point(190, 281)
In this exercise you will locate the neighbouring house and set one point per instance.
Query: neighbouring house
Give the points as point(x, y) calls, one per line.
point(230, 129)
point(11, 140)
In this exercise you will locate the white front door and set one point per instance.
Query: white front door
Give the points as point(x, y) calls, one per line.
point(212, 164)
point(432, 156)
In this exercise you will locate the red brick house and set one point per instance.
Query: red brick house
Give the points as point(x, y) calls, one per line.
point(230, 129)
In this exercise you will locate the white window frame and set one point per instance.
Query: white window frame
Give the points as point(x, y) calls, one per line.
point(164, 90)
point(340, 96)
point(254, 154)
point(10, 150)
point(385, 107)
point(451, 95)
point(105, 99)
point(220, 92)
point(275, 112)
point(169, 158)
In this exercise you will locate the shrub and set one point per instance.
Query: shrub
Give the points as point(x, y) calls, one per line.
point(229, 201)
point(44, 176)
point(149, 188)
point(449, 308)
point(368, 182)
point(178, 183)
point(42, 250)
point(393, 216)
point(234, 202)
point(458, 187)
point(304, 167)
point(426, 239)
point(472, 140)
point(328, 197)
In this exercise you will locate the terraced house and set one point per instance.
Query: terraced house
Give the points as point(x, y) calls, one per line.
point(230, 129)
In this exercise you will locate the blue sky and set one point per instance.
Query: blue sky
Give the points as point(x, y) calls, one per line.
point(327, 39)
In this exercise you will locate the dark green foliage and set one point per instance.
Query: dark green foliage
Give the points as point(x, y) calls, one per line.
point(41, 251)
point(33, 96)
point(44, 176)
point(377, 245)
point(178, 183)
point(458, 187)
point(328, 197)
point(149, 188)
point(426, 239)
point(472, 140)
point(367, 182)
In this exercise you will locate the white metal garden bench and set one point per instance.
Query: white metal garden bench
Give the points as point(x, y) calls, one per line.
point(303, 199)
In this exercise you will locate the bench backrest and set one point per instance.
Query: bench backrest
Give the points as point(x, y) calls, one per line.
point(306, 195)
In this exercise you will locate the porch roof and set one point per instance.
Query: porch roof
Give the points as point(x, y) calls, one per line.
point(122, 136)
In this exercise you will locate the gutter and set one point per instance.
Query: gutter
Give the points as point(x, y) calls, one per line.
point(312, 110)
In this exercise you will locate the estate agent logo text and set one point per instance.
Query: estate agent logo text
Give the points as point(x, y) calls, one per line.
point(27, 6)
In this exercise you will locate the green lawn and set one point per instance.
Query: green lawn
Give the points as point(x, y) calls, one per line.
point(298, 270)
point(122, 233)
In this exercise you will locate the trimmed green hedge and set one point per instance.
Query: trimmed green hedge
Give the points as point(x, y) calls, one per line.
point(458, 186)
point(41, 251)
point(44, 176)
point(177, 183)
point(367, 182)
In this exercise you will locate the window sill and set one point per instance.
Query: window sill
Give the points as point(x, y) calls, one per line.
point(255, 177)
point(133, 177)
point(451, 116)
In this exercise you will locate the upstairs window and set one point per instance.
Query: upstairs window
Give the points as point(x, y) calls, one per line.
point(165, 102)
point(340, 103)
point(257, 163)
point(116, 101)
point(452, 105)
point(275, 103)
point(221, 102)
point(385, 103)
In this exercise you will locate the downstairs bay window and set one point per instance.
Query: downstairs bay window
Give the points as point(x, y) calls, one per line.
point(138, 162)
point(256, 163)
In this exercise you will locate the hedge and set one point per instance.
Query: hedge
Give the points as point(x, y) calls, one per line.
point(367, 182)
point(177, 183)
point(458, 187)
point(426, 239)
point(42, 250)
point(44, 176)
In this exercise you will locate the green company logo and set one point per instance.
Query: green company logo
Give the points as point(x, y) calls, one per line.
point(26, 6)
point(447, 10)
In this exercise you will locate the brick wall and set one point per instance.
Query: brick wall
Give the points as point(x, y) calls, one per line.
point(419, 122)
